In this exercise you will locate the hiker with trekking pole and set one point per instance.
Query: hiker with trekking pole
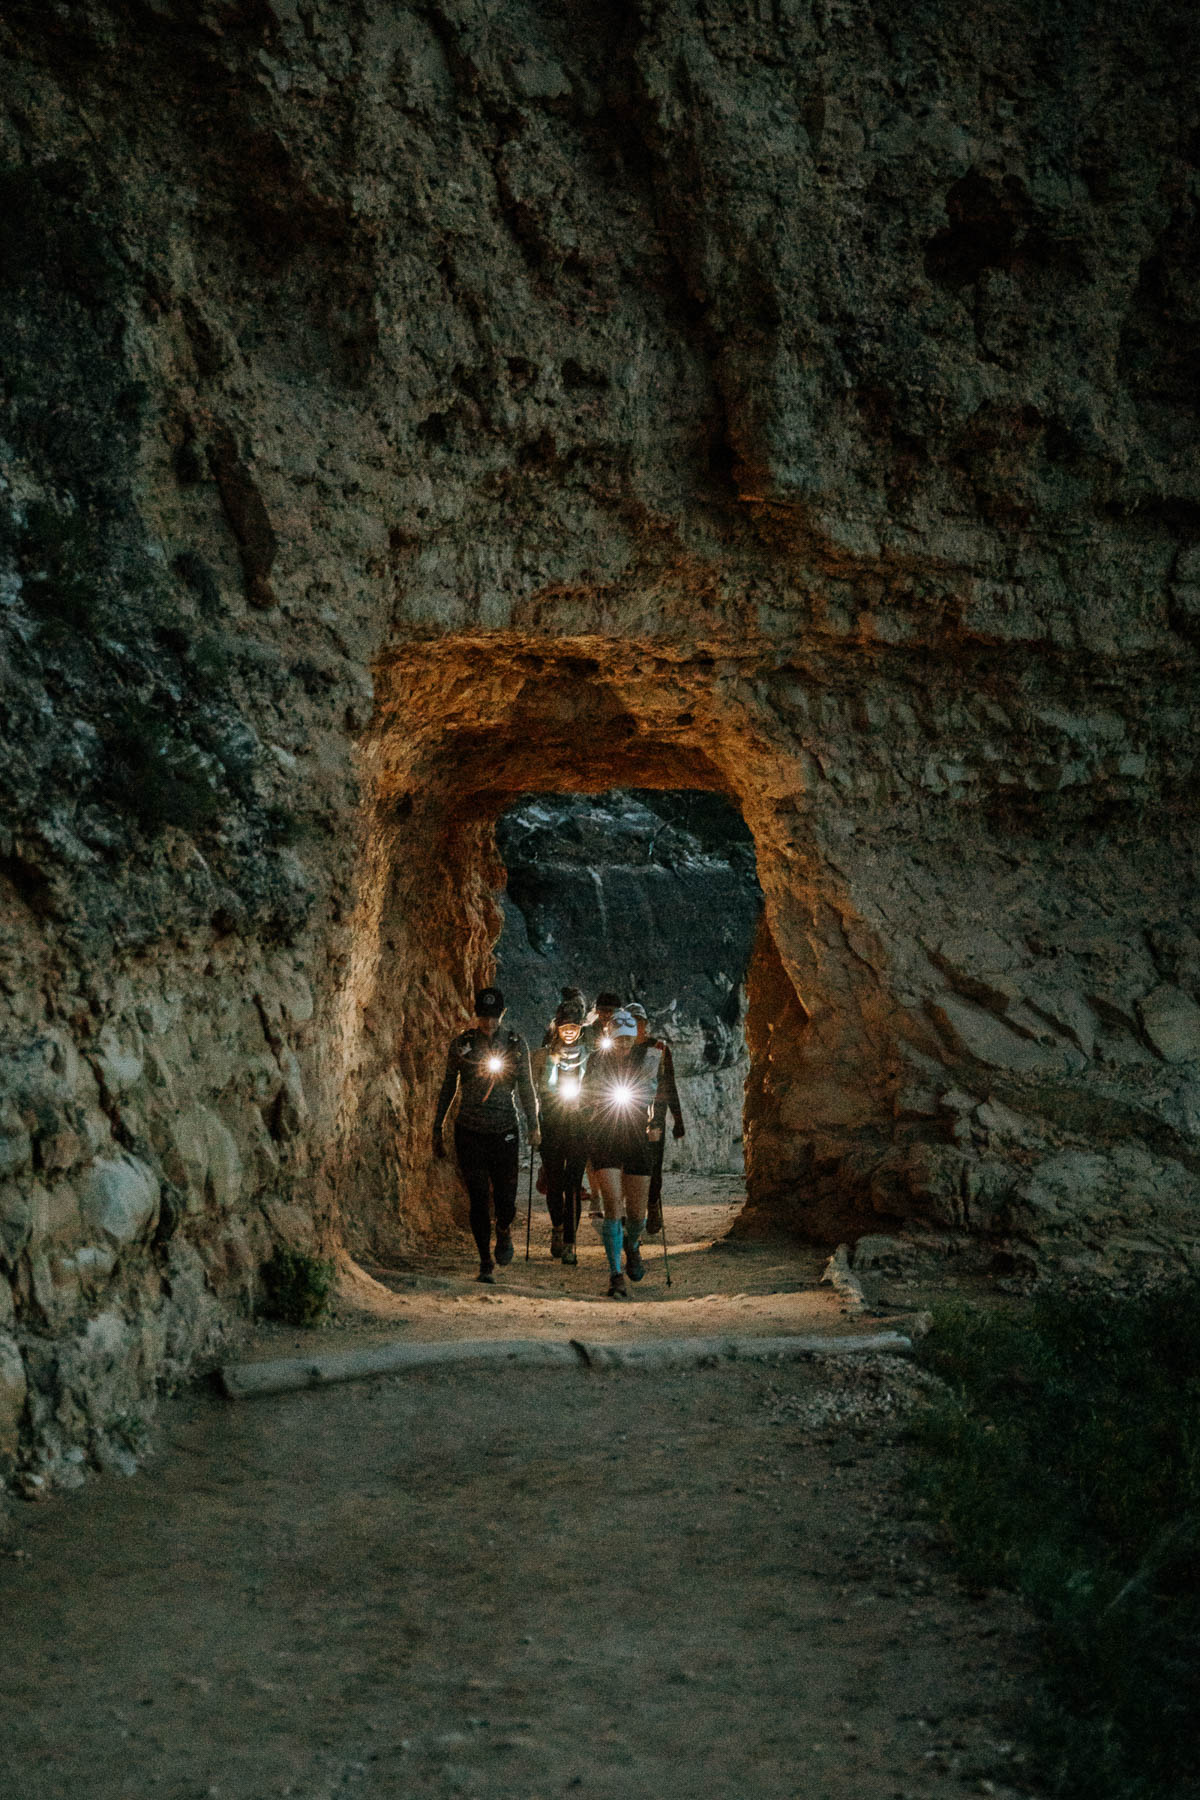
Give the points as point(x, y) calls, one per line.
point(558, 1071)
point(488, 1067)
point(669, 1090)
point(624, 1118)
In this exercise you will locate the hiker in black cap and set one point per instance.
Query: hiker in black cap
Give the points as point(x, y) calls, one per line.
point(490, 1066)
point(670, 1093)
point(558, 1071)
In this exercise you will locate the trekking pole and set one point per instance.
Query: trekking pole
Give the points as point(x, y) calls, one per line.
point(529, 1208)
point(666, 1258)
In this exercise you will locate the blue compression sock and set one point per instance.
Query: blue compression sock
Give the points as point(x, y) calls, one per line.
point(613, 1233)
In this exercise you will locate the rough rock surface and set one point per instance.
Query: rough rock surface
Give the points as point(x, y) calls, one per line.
point(407, 410)
point(653, 896)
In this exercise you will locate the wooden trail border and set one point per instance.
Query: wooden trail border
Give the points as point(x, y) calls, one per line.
point(246, 1381)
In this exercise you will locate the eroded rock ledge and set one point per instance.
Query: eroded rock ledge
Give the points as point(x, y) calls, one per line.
point(410, 410)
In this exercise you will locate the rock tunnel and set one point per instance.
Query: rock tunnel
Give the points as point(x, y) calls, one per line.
point(465, 727)
point(408, 410)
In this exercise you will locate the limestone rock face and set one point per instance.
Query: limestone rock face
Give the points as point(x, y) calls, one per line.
point(656, 898)
point(408, 410)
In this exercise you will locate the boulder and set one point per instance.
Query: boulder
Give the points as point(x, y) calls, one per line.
point(120, 1197)
point(1171, 1023)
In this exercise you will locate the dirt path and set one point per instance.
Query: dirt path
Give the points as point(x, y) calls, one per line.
point(718, 1285)
point(491, 1584)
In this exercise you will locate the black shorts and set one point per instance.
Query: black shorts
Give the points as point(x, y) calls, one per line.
point(627, 1149)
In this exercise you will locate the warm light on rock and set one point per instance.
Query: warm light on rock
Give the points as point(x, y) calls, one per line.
point(776, 407)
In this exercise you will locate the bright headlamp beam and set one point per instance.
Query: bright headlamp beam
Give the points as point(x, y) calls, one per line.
point(495, 1064)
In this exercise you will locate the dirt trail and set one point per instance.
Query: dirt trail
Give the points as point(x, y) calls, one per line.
point(502, 1584)
point(757, 1288)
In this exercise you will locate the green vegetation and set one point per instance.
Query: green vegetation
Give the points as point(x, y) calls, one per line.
point(296, 1286)
point(1064, 1462)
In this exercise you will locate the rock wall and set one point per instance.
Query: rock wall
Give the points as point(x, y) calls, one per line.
point(409, 410)
point(655, 897)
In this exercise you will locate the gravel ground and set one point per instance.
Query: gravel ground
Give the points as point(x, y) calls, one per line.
point(525, 1584)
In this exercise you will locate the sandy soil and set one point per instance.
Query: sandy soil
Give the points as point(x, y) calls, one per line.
point(758, 1288)
point(516, 1584)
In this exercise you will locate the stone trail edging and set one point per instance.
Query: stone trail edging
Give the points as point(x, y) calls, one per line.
point(247, 1381)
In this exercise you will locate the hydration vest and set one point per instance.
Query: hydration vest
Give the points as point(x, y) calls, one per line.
point(562, 1076)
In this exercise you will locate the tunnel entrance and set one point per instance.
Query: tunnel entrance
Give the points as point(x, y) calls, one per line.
point(468, 728)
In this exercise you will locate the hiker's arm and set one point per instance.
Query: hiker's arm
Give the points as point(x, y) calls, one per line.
point(445, 1096)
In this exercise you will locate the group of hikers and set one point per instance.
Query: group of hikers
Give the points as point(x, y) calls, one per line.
point(595, 1095)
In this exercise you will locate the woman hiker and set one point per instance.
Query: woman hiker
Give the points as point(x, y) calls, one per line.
point(490, 1067)
point(558, 1071)
point(595, 1037)
point(624, 1121)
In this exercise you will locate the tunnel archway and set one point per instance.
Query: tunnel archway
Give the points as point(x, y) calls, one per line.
point(463, 727)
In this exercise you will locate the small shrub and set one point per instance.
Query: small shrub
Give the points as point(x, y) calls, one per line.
point(296, 1286)
point(1065, 1464)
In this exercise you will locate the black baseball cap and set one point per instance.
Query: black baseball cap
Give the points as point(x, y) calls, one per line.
point(608, 998)
point(489, 1003)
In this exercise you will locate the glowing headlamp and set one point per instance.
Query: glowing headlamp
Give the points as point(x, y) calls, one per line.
point(622, 1096)
point(568, 1087)
point(606, 1042)
point(495, 1064)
